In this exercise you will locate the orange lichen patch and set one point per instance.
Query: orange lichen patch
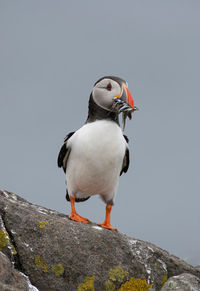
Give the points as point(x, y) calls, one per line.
point(43, 223)
point(58, 269)
point(135, 285)
point(88, 284)
point(41, 264)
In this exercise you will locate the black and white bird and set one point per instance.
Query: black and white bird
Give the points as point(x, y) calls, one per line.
point(94, 156)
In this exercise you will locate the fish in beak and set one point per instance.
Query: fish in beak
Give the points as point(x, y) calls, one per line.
point(124, 104)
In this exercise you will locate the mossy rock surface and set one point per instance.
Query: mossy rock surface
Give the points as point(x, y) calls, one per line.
point(59, 254)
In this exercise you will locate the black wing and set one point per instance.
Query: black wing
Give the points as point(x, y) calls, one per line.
point(62, 162)
point(64, 153)
point(126, 160)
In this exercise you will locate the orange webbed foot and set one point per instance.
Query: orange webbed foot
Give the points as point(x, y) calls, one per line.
point(106, 225)
point(76, 217)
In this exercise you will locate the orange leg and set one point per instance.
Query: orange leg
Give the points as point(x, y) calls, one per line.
point(106, 223)
point(74, 215)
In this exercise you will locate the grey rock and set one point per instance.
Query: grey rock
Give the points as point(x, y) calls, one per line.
point(11, 279)
point(183, 282)
point(198, 268)
point(59, 254)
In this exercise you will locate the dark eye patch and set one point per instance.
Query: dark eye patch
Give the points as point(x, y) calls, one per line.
point(109, 87)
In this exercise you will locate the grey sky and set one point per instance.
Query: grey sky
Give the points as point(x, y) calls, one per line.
point(52, 52)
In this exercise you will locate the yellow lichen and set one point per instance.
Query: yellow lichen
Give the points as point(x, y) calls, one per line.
point(41, 264)
point(156, 265)
point(3, 240)
point(58, 269)
point(14, 252)
point(109, 286)
point(88, 284)
point(164, 279)
point(135, 285)
point(118, 274)
point(43, 223)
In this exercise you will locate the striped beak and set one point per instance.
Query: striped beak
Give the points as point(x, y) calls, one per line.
point(128, 99)
point(124, 104)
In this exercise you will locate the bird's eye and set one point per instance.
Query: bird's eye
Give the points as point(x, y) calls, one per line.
point(109, 87)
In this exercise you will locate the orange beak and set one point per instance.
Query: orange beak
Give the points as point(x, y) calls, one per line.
point(126, 97)
point(129, 98)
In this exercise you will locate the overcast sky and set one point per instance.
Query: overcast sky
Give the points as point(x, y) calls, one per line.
point(52, 52)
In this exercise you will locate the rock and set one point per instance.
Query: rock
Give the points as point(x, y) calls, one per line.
point(59, 254)
point(183, 282)
point(198, 268)
point(11, 279)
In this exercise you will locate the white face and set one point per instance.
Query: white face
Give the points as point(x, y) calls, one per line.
point(104, 92)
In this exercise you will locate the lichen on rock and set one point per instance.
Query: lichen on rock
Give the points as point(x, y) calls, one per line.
point(41, 263)
point(109, 286)
point(88, 284)
point(43, 224)
point(3, 240)
point(135, 285)
point(118, 274)
point(58, 269)
point(60, 254)
point(164, 279)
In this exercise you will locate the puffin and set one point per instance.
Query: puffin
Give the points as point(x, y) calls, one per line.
point(95, 156)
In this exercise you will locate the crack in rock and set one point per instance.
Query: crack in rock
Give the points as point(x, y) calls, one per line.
point(6, 241)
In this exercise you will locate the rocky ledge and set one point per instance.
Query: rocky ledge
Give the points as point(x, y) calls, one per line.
point(42, 249)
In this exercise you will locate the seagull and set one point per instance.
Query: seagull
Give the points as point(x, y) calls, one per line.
point(94, 156)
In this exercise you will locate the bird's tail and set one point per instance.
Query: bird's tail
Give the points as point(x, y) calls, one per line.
point(76, 199)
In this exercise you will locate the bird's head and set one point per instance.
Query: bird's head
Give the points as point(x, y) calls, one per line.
point(111, 94)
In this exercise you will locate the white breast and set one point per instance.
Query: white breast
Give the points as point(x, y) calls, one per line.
point(95, 161)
